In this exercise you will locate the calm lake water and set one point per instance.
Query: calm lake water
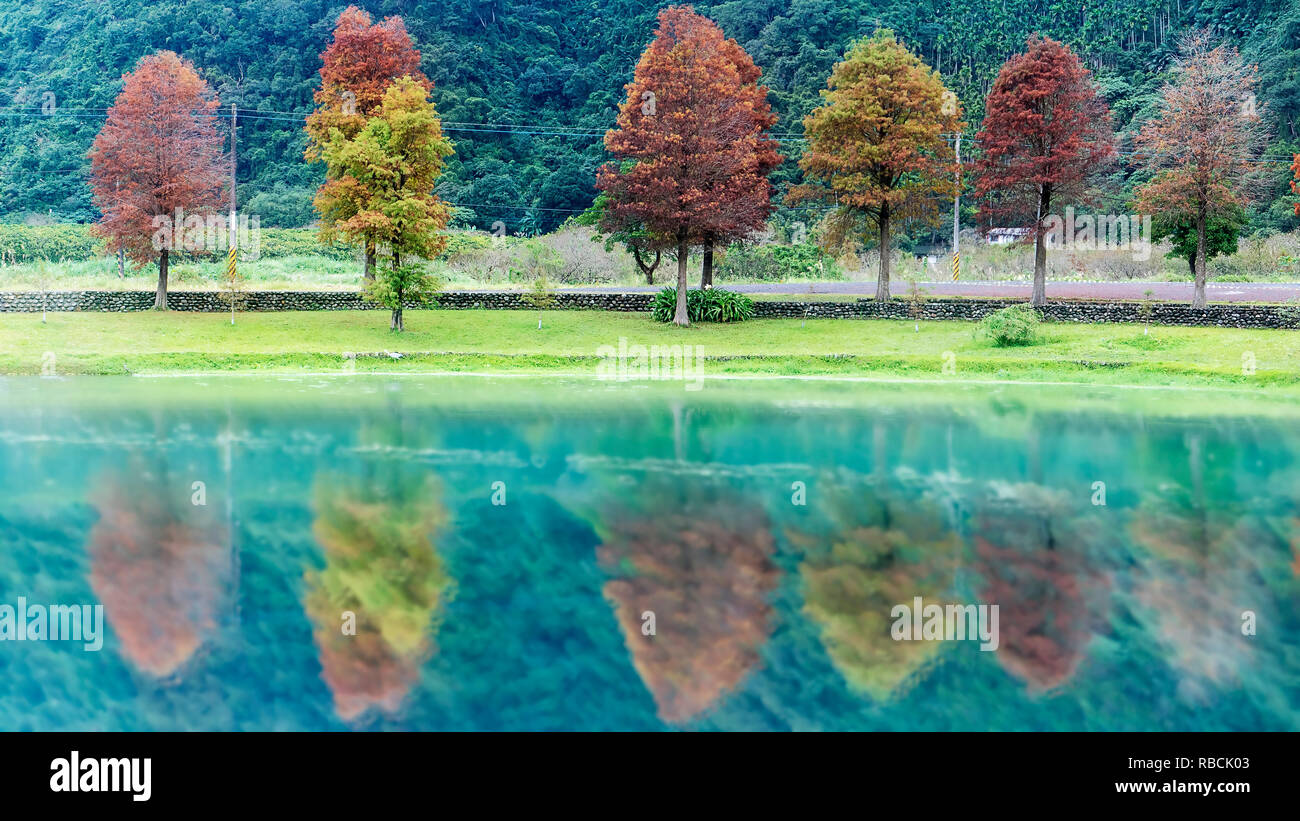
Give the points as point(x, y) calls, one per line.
point(502, 542)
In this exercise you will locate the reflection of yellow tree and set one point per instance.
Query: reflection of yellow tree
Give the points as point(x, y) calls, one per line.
point(381, 565)
point(1036, 562)
point(701, 562)
point(883, 551)
point(159, 564)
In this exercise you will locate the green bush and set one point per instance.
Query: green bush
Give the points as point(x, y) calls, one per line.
point(709, 305)
point(778, 263)
point(1015, 325)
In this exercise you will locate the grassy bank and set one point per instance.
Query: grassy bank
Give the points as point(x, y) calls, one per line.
point(509, 341)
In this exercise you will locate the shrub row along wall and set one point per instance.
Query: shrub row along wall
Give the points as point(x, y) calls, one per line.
point(1228, 316)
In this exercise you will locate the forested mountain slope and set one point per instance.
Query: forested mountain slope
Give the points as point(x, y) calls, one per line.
point(554, 68)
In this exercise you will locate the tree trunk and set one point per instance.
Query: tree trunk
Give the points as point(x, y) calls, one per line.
point(1039, 298)
point(648, 270)
point(706, 270)
point(370, 262)
point(681, 318)
point(160, 298)
point(396, 323)
point(882, 282)
point(1198, 267)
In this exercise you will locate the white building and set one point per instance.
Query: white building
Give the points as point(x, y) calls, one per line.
point(1006, 236)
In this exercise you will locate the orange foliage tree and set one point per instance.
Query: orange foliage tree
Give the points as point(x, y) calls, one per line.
point(1295, 184)
point(358, 66)
point(158, 156)
point(1046, 133)
point(691, 145)
point(877, 147)
point(1203, 143)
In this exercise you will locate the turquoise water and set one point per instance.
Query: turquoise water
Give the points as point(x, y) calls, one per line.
point(498, 542)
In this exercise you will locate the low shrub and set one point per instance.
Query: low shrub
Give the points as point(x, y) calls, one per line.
point(708, 305)
point(1014, 325)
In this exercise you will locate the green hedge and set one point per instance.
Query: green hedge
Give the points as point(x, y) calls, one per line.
point(75, 243)
point(30, 243)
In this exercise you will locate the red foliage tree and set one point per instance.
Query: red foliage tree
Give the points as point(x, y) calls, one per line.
point(693, 127)
point(738, 217)
point(358, 66)
point(159, 153)
point(1046, 133)
point(1204, 143)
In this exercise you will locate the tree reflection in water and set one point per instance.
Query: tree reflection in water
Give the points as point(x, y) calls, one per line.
point(159, 563)
point(878, 547)
point(378, 535)
point(1038, 559)
point(1201, 570)
point(699, 557)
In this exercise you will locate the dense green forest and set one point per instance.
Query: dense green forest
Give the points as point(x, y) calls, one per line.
point(527, 89)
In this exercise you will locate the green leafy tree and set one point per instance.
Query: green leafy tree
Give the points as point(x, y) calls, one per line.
point(541, 297)
point(389, 170)
point(1221, 232)
point(396, 287)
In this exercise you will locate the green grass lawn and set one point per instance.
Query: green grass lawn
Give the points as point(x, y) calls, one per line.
point(509, 341)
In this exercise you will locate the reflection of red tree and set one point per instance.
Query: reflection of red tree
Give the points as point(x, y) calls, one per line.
point(706, 575)
point(1042, 612)
point(1037, 570)
point(159, 567)
point(362, 671)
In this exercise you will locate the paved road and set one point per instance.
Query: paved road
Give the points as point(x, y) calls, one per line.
point(1172, 291)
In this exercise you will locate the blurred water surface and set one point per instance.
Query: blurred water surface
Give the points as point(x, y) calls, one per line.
point(502, 540)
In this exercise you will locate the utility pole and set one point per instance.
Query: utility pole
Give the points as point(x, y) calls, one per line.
point(121, 254)
point(231, 252)
point(233, 115)
point(956, 217)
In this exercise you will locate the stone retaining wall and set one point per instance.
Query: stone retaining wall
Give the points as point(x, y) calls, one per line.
point(1237, 315)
